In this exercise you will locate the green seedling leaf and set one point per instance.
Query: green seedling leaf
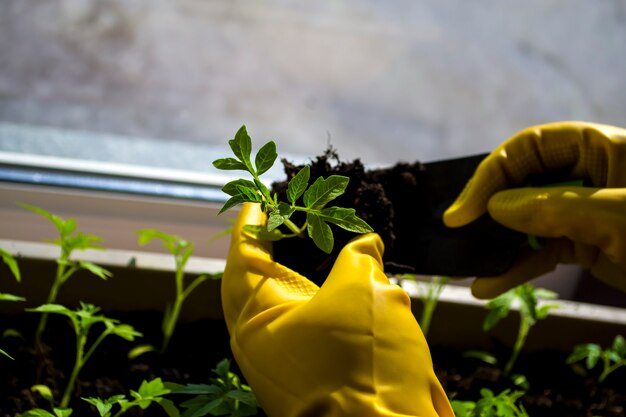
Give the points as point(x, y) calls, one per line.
point(232, 202)
point(482, 356)
point(58, 222)
point(10, 261)
point(262, 189)
point(261, 232)
point(44, 391)
point(229, 164)
point(6, 354)
point(544, 310)
point(231, 188)
point(11, 297)
point(153, 388)
point(245, 397)
point(12, 333)
point(463, 408)
point(169, 242)
point(320, 232)
point(68, 227)
point(62, 412)
point(521, 381)
point(265, 157)
point(140, 350)
point(298, 184)
point(203, 405)
point(199, 389)
point(590, 351)
point(37, 412)
point(279, 215)
point(169, 407)
point(227, 395)
point(619, 346)
point(499, 308)
point(249, 194)
point(104, 407)
point(345, 218)
point(52, 308)
point(324, 191)
point(241, 146)
point(96, 270)
point(544, 294)
point(223, 368)
point(81, 241)
point(125, 331)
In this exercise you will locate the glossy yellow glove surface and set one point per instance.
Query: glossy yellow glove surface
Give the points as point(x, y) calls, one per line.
point(349, 348)
point(587, 224)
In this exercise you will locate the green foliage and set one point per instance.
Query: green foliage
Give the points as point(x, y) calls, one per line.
point(38, 412)
point(429, 293)
point(612, 357)
point(226, 396)
point(10, 261)
point(82, 320)
point(314, 197)
point(149, 393)
point(182, 250)
point(527, 298)
point(69, 240)
point(504, 404)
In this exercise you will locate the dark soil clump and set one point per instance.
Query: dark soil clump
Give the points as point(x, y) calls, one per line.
point(385, 198)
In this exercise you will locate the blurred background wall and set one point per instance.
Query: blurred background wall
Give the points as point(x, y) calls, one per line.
point(159, 81)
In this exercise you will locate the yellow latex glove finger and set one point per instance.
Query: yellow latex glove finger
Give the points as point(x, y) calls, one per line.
point(349, 348)
point(586, 150)
point(591, 220)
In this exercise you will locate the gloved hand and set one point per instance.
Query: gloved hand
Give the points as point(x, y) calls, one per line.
point(587, 226)
point(349, 348)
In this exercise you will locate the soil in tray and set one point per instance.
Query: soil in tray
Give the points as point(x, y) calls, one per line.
point(555, 389)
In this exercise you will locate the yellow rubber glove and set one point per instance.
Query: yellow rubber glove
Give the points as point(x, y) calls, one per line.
point(587, 225)
point(349, 348)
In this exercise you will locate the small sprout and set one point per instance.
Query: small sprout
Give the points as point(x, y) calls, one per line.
point(613, 357)
point(10, 261)
point(314, 197)
point(225, 396)
point(504, 404)
point(182, 250)
point(528, 297)
point(82, 321)
point(69, 240)
point(149, 393)
point(429, 293)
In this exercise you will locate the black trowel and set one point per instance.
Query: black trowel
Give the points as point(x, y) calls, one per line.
point(481, 248)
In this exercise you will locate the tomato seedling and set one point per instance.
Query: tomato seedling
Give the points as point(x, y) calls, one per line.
point(182, 250)
point(69, 240)
point(10, 261)
point(225, 396)
point(149, 393)
point(504, 404)
point(314, 197)
point(613, 357)
point(82, 321)
point(527, 297)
